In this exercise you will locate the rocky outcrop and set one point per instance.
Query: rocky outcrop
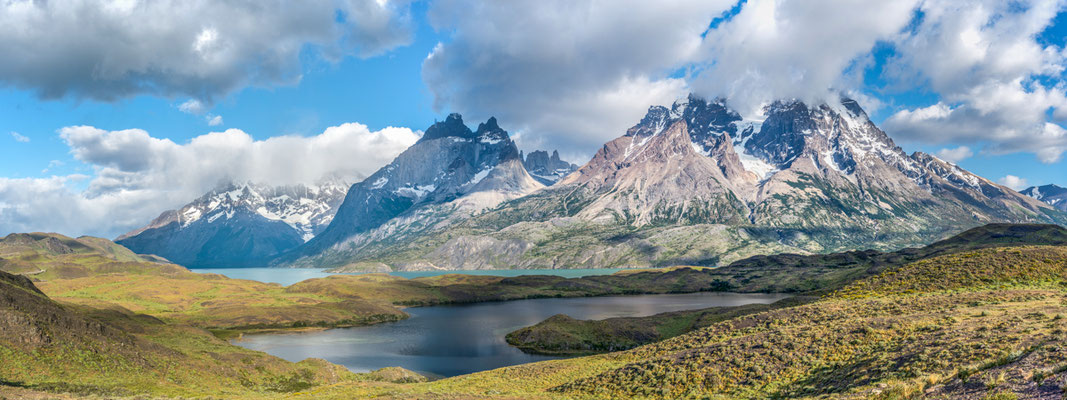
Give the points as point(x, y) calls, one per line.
point(451, 173)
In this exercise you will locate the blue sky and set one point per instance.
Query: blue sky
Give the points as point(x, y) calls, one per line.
point(982, 84)
point(378, 92)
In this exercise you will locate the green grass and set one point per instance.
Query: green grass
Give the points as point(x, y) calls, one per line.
point(945, 338)
point(960, 318)
point(563, 335)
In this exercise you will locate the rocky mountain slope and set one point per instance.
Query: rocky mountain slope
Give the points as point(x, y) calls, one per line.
point(1055, 196)
point(451, 173)
point(547, 169)
point(698, 184)
point(240, 225)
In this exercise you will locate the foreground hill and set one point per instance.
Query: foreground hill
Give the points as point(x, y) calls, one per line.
point(697, 184)
point(98, 273)
point(979, 324)
point(113, 352)
point(803, 274)
point(972, 316)
point(46, 256)
point(881, 338)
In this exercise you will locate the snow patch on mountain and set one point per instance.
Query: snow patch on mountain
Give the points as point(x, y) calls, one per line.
point(305, 208)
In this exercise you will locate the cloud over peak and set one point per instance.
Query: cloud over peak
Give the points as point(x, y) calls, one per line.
point(136, 175)
point(572, 75)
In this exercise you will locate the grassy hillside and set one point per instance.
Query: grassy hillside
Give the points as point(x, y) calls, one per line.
point(99, 273)
point(810, 274)
point(46, 256)
point(975, 318)
point(1001, 336)
point(53, 347)
point(91, 272)
point(563, 335)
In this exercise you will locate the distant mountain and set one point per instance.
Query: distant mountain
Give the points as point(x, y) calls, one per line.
point(238, 225)
point(698, 184)
point(545, 168)
point(451, 173)
point(1053, 195)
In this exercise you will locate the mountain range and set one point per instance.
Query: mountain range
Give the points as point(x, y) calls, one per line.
point(693, 183)
point(239, 225)
point(451, 173)
point(1055, 196)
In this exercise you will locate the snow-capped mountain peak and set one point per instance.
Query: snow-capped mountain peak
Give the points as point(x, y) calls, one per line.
point(306, 208)
point(240, 224)
point(1053, 195)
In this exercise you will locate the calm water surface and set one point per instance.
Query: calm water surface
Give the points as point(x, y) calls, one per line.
point(461, 339)
point(289, 276)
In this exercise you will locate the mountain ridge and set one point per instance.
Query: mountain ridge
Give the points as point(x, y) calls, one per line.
point(697, 183)
point(240, 224)
point(451, 167)
point(1051, 194)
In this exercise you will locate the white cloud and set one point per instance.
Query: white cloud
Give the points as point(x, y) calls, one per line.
point(203, 49)
point(192, 106)
point(214, 120)
point(983, 59)
point(573, 75)
point(955, 155)
point(1014, 182)
point(563, 74)
point(136, 176)
point(19, 137)
point(793, 48)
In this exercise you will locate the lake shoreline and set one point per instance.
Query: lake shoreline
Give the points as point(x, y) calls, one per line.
point(486, 282)
point(456, 339)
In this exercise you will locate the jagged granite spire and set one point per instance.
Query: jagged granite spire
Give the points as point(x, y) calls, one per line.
point(547, 169)
point(449, 163)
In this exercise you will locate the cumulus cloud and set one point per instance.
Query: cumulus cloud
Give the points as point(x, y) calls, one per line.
point(19, 137)
point(985, 61)
point(573, 75)
point(136, 175)
point(793, 48)
point(107, 50)
point(564, 74)
point(1014, 182)
point(955, 155)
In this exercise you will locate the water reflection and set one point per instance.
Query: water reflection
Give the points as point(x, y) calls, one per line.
point(455, 340)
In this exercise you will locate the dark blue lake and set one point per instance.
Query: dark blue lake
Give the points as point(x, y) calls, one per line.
point(461, 339)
